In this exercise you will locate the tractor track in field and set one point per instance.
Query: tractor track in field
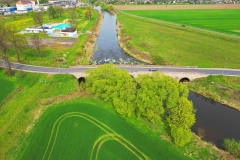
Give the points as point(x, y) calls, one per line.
point(110, 135)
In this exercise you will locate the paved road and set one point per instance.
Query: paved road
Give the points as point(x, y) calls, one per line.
point(134, 68)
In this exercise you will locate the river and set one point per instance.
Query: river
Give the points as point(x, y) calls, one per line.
point(217, 121)
point(107, 49)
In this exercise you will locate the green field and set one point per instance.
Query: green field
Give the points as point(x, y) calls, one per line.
point(177, 45)
point(30, 94)
point(80, 130)
point(226, 21)
point(6, 87)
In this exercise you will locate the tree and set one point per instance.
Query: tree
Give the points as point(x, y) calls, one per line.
point(38, 18)
point(18, 41)
point(5, 45)
point(58, 10)
point(232, 146)
point(37, 43)
point(88, 13)
point(51, 12)
point(113, 84)
point(180, 119)
point(151, 94)
point(73, 18)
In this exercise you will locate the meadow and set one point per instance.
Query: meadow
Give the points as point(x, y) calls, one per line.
point(87, 131)
point(219, 20)
point(178, 45)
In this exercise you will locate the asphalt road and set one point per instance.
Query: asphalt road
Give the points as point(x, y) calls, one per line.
point(134, 68)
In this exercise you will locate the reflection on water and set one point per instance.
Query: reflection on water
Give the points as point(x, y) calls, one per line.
point(106, 48)
point(217, 120)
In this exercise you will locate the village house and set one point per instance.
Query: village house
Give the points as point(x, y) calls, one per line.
point(25, 5)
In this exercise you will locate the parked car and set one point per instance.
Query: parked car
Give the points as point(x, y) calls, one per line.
point(153, 69)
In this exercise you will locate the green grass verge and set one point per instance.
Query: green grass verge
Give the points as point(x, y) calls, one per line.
point(177, 45)
point(220, 88)
point(6, 87)
point(226, 21)
point(83, 125)
point(31, 93)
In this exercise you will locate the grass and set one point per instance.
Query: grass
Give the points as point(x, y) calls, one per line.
point(220, 88)
point(56, 55)
point(181, 46)
point(6, 87)
point(85, 130)
point(226, 21)
point(32, 93)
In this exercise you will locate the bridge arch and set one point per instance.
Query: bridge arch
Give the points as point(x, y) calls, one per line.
point(184, 79)
point(81, 80)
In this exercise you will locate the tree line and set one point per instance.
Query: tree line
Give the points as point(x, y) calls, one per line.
point(153, 97)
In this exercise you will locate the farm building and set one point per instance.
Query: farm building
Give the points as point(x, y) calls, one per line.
point(69, 32)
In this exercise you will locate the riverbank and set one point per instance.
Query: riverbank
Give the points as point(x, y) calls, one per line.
point(91, 41)
point(223, 89)
point(124, 42)
point(178, 45)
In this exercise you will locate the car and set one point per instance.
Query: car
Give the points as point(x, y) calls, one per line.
point(153, 69)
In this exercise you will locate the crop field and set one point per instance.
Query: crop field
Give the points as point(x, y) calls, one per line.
point(220, 20)
point(82, 130)
point(6, 87)
point(182, 46)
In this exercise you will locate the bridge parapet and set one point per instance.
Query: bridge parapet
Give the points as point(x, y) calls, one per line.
point(176, 75)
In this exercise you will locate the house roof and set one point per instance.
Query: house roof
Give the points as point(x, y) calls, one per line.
point(69, 30)
point(24, 2)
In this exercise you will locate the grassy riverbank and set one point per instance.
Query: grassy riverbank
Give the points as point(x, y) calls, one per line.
point(178, 45)
point(223, 89)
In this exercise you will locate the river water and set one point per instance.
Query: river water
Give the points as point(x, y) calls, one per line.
point(107, 49)
point(216, 120)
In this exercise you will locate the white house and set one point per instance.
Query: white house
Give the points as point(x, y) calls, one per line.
point(25, 5)
point(40, 30)
point(69, 32)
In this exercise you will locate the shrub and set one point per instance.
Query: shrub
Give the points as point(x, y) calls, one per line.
point(232, 146)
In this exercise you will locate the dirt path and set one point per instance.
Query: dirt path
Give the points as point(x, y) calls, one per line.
point(176, 7)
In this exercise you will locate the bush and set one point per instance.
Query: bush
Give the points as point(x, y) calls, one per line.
point(232, 146)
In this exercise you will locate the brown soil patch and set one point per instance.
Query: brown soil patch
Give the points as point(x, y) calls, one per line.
point(177, 7)
point(55, 43)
